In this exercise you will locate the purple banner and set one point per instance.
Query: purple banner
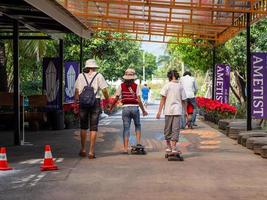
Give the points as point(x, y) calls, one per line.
point(72, 70)
point(222, 83)
point(51, 71)
point(259, 85)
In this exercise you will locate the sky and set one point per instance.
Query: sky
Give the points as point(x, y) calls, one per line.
point(155, 48)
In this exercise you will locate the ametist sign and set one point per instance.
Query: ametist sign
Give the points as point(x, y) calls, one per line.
point(222, 83)
point(259, 85)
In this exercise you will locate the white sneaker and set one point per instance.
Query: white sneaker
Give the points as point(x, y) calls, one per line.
point(174, 150)
point(168, 150)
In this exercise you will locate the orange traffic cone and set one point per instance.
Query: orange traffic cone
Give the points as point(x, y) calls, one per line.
point(48, 164)
point(3, 160)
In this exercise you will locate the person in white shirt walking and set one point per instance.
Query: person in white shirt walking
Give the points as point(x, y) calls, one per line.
point(172, 96)
point(191, 88)
point(89, 116)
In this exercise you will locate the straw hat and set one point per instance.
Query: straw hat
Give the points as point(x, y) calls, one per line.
point(90, 63)
point(129, 74)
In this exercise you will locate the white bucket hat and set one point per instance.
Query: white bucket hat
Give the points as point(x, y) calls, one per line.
point(90, 63)
point(129, 74)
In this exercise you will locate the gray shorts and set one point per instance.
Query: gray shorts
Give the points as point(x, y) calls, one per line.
point(172, 127)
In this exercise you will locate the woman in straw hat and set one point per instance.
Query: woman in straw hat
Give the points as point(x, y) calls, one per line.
point(90, 114)
point(130, 98)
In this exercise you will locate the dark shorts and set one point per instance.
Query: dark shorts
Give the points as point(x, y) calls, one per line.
point(90, 117)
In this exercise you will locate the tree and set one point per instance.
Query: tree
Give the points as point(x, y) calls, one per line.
point(194, 57)
point(150, 65)
point(167, 63)
point(233, 52)
point(3, 72)
point(113, 56)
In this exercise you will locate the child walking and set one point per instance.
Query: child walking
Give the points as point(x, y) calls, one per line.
point(172, 100)
point(130, 98)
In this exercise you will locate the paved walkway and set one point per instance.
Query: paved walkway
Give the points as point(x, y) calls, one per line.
point(215, 167)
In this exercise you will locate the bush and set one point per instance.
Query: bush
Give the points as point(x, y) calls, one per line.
point(214, 110)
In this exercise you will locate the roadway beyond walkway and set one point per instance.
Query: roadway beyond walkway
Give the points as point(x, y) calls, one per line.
point(214, 167)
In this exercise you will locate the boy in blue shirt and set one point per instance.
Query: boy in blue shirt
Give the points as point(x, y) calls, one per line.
point(145, 92)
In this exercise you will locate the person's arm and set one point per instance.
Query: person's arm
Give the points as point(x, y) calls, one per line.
point(114, 102)
point(103, 86)
point(76, 96)
point(117, 97)
point(184, 101)
point(77, 86)
point(163, 93)
point(76, 100)
point(105, 93)
point(106, 96)
point(161, 105)
point(142, 106)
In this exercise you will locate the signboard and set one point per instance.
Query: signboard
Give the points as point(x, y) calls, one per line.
point(51, 72)
point(258, 80)
point(222, 83)
point(72, 70)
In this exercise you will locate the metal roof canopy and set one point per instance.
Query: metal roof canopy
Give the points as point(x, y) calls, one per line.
point(210, 20)
point(31, 16)
point(44, 16)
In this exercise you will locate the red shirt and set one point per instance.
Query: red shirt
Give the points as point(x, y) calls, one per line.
point(128, 97)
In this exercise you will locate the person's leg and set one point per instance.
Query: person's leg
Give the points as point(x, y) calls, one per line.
point(168, 131)
point(94, 120)
point(84, 127)
point(145, 102)
point(168, 146)
point(92, 142)
point(137, 123)
point(190, 120)
point(126, 118)
point(125, 143)
point(183, 121)
point(175, 132)
point(194, 103)
point(83, 140)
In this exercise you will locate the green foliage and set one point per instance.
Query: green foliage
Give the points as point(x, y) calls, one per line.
point(194, 57)
point(168, 62)
point(111, 91)
point(233, 52)
point(31, 87)
point(31, 53)
point(150, 65)
point(113, 56)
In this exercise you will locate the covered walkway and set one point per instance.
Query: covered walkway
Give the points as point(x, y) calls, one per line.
point(214, 167)
point(193, 22)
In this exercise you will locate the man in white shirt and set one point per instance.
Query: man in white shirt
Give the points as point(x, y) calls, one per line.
point(98, 82)
point(190, 87)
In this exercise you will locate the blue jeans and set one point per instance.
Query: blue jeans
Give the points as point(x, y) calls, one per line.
point(129, 113)
point(182, 121)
